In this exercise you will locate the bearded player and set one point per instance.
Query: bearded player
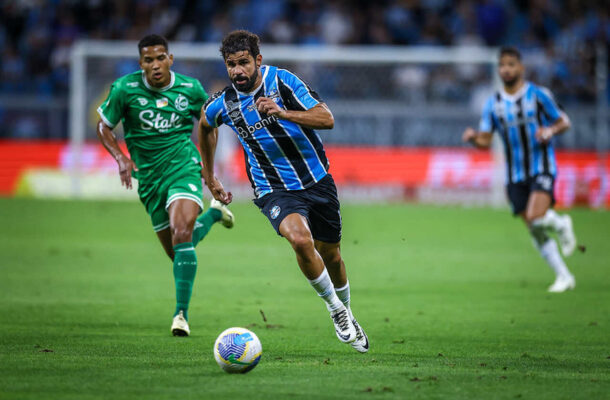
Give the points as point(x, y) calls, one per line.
point(274, 114)
point(527, 118)
point(157, 107)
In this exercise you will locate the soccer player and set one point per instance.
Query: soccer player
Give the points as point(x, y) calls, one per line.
point(274, 114)
point(527, 117)
point(157, 107)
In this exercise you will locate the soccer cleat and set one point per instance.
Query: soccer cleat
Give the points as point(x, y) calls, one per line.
point(227, 220)
point(361, 343)
point(344, 328)
point(562, 283)
point(180, 327)
point(567, 239)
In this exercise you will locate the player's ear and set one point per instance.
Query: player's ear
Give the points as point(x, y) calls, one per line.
point(259, 60)
point(171, 60)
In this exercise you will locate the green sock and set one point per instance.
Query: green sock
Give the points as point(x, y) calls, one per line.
point(205, 222)
point(185, 267)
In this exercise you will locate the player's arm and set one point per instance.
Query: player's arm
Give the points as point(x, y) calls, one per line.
point(553, 112)
point(544, 134)
point(317, 117)
point(126, 165)
point(482, 140)
point(208, 138)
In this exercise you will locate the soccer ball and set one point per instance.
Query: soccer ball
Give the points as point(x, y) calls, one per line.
point(237, 350)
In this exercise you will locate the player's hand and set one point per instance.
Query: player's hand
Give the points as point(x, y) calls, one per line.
point(267, 106)
point(469, 135)
point(544, 134)
point(218, 191)
point(126, 165)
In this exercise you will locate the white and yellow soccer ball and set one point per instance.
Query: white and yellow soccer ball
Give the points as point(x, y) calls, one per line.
point(237, 350)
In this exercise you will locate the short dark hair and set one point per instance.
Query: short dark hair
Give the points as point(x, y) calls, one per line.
point(240, 40)
point(152, 40)
point(509, 51)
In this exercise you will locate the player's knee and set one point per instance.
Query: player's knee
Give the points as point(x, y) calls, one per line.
point(301, 242)
point(538, 234)
point(182, 232)
point(332, 258)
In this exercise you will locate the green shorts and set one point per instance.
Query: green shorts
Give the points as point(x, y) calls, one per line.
point(159, 194)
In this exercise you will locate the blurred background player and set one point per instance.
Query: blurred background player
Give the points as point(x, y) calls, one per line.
point(157, 107)
point(274, 114)
point(527, 118)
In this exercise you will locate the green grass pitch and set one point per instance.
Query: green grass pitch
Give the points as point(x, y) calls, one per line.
point(454, 302)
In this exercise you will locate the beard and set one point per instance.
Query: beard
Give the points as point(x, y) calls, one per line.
point(511, 81)
point(248, 85)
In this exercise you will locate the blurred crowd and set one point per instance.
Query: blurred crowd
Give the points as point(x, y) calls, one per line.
point(557, 37)
point(36, 35)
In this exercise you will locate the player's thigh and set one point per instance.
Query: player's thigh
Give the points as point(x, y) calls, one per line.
point(276, 206)
point(325, 211)
point(541, 196)
point(165, 237)
point(295, 228)
point(184, 199)
point(153, 196)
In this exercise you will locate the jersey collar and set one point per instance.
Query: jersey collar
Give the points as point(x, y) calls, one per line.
point(164, 88)
point(518, 94)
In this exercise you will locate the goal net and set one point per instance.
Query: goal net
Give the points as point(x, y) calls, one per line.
point(399, 114)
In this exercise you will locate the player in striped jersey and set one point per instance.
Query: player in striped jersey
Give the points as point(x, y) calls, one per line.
point(274, 114)
point(527, 117)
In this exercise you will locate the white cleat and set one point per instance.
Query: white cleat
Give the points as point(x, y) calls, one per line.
point(344, 327)
point(180, 327)
point(563, 283)
point(227, 220)
point(567, 239)
point(361, 343)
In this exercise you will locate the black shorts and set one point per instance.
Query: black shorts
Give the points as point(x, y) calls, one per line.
point(319, 204)
point(519, 193)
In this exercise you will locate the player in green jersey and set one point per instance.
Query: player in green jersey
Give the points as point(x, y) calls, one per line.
point(157, 107)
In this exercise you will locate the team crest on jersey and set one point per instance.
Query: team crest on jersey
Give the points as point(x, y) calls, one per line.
point(163, 102)
point(133, 84)
point(275, 212)
point(186, 84)
point(181, 103)
point(142, 101)
point(274, 95)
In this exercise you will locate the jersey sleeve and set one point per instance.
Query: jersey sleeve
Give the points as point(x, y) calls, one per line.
point(199, 98)
point(213, 111)
point(111, 110)
point(549, 105)
point(301, 92)
point(486, 124)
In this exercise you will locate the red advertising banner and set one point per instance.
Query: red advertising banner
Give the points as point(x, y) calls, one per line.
point(583, 178)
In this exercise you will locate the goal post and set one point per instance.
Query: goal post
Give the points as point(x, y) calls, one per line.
point(359, 82)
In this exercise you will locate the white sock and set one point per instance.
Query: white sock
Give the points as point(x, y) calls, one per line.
point(343, 294)
point(324, 286)
point(550, 252)
point(550, 220)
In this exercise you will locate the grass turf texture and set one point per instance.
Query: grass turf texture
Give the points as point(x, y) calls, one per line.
point(453, 300)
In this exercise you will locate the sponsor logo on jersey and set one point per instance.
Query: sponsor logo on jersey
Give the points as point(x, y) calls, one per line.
point(193, 187)
point(181, 103)
point(132, 84)
point(275, 212)
point(250, 129)
point(186, 84)
point(142, 101)
point(162, 102)
point(152, 120)
point(274, 95)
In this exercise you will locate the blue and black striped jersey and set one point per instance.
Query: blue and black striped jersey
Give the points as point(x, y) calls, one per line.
point(280, 155)
point(516, 118)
